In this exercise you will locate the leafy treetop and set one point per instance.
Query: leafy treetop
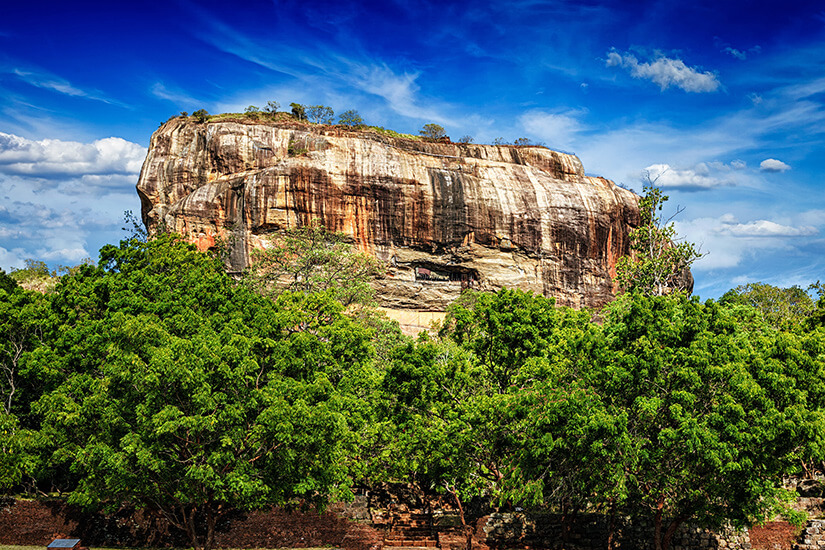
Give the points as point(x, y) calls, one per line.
point(659, 262)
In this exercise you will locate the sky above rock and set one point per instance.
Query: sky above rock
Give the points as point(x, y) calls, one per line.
point(721, 103)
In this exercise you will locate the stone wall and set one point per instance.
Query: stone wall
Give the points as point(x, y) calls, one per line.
point(813, 536)
point(590, 532)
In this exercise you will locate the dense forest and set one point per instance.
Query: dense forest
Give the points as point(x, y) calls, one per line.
point(155, 378)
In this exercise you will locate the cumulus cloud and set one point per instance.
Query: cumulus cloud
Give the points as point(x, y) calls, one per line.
point(665, 72)
point(704, 175)
point(729, 241)
point(49, 158)
point(773, 165)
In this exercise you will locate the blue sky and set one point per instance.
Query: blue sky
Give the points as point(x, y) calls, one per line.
point(723, 101)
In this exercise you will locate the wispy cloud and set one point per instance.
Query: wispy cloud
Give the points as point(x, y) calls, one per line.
point(665, 72)
point(176, 96)
point(329, 74)
point(559, 129)
point(47, 81)
point(740, 54)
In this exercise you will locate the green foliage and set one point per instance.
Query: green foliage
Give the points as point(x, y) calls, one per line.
point(7, 283)
point(200, 116)
point(295, 149)
point(272, 107)
point(713, 422)
point(392, 133)
point(311, 259)
point(658, 262)
point(672, 410)
point(522, 141)
point(35, 269)
point(298, 111)
point(24, 325)
point(184, 114)
point(432, 131)
point(350, 118)
point(175, 388)
point(499, 141)
point(781, 307)
point(320, 114)
point(466, 139)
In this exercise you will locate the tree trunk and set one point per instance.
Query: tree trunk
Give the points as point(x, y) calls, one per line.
point(211, 520)
point(192, 529)
point(657, 525)
point(611, 526)
point(468, 531)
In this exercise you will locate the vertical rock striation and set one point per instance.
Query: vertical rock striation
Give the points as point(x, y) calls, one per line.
point(443, 216)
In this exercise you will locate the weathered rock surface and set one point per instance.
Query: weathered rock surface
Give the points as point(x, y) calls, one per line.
point(443, 216)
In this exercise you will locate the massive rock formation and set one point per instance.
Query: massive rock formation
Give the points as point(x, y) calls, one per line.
point(444, 216)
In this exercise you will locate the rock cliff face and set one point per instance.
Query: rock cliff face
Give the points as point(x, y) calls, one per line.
point(444, 216)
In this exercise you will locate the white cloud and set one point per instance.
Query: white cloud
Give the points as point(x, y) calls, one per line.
point(773, 165)
point(50, 158)
point(728, 242)
point(704, 175)
point(559, 130)
point(665, 72)
point(765, 228)
point(13, 258)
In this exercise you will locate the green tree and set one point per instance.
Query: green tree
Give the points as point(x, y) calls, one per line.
point(7, 283)
point(311, 259)
point(466, 139)
point(200, 116)
point(781, 307)
point(350, 118)
point(432, 131)
point(522, 141)
point(714, 422)
point(459, 406)
point(24, 325)
point(298, 111)
point(272, 107)
point(658, 263)
point(252, 111)
point(178, 390)
point(320, 114)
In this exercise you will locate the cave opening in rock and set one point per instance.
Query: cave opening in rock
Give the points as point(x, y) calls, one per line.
point(446, 274)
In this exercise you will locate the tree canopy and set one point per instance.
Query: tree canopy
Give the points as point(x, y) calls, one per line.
point(157, 379)
point(177, 389)
point(659, 261)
